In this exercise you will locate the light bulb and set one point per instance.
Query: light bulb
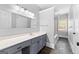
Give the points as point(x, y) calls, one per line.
point(26, 11)
point(22, 9)
point(16, 7)
point(29, 14)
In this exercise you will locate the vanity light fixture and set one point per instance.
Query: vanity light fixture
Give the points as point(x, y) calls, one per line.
point(24, 11)
point(29, 14)
point(17, 8)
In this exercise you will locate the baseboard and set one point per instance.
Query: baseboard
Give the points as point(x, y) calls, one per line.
point(63, 36)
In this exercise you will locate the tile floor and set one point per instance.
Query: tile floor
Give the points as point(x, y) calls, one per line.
point(62, 47)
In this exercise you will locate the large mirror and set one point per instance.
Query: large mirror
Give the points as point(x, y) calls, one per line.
point(19, 21)
point(12, 20)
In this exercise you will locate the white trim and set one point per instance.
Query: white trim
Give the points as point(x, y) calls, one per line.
point(46, 9)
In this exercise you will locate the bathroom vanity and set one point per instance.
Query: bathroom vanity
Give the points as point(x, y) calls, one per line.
point(23, 43)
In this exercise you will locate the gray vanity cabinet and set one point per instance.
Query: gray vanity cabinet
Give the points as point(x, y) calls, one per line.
point(16, 48)
point(3, 52)
point(37, 44)
point(40, 46)
point(42, 42)
point(43, 37)
point(32, 46)
point(12, 50)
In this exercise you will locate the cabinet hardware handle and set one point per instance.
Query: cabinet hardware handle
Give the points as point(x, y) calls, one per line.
point(4, 52)
point(19, 47)
point(74, 33)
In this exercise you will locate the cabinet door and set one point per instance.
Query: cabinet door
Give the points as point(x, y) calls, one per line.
point(43, 37)
point(34, 48)
point(40, 44)
point(37, 44)
point(13, 49)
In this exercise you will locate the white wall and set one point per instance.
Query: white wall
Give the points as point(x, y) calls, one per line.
point(76, 18)
point(47, 25)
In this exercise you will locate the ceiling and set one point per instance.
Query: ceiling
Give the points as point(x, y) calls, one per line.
point(37, 6)
point(57, 6)
point(45, 6)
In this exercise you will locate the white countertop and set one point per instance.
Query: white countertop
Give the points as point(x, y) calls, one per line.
point(8, 41)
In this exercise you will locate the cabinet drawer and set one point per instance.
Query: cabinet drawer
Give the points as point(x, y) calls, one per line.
point(34, 40)
point(34, 48)
point(13, 49)
point(26, 43)
point(3, 52)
